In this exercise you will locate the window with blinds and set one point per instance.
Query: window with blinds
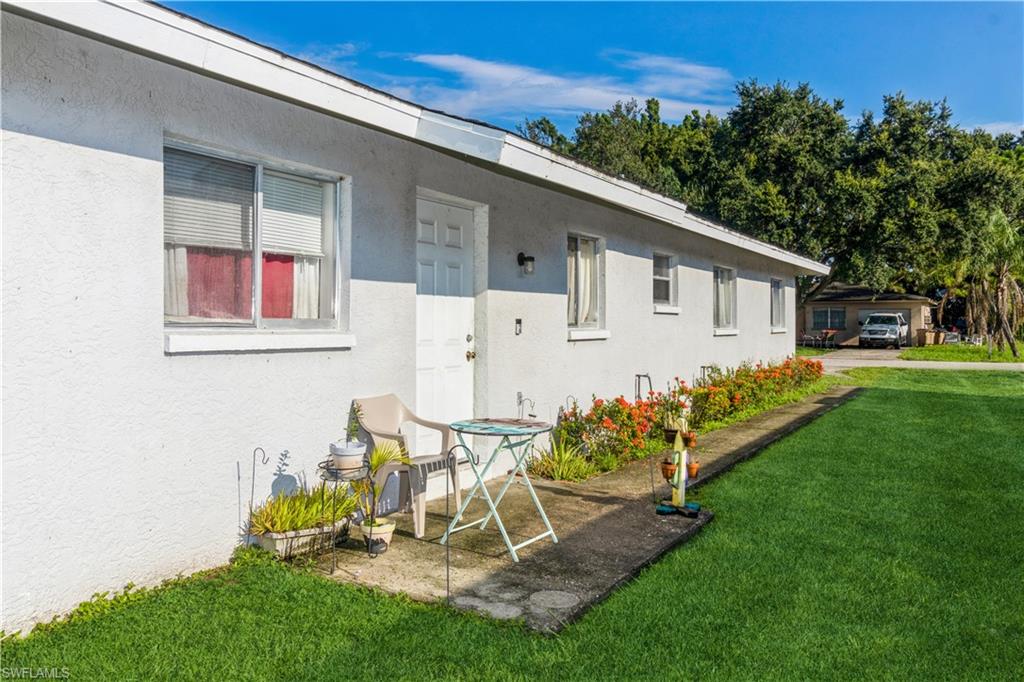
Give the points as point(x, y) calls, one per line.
point(293, 215)
point(208, 201)
point(213, 210)
point(828, 318)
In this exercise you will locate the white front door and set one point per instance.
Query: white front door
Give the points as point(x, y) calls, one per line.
point(444, 318)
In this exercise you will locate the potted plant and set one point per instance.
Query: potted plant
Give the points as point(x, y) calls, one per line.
point(348, 453)
point(690, 439)
point(668, 469)
point(671, 408)
point(301, 522)
point(377, 532)
point(670, 428)
point(692, 467)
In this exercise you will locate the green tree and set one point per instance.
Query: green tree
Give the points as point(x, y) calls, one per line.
point(983, 178)
point(543, 131)
point(995, 300)
point(904, 201)
point(629, 142)
point(781, 149)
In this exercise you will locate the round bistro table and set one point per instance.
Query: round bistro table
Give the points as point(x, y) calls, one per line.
point(515, 436)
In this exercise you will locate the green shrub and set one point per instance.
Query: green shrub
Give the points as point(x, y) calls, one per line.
point(564, 461)
point(613, 432)
point(305, 508)
point(723, 393)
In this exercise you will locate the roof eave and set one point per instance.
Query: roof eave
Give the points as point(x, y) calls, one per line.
point(169, 36)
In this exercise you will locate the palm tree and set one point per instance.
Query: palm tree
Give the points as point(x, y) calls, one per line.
point(995, 296)
point(368, 490)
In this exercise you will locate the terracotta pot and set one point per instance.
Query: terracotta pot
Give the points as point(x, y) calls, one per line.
point(670, 435)
point(668, 470)
point(692, 468)
point(690, 439)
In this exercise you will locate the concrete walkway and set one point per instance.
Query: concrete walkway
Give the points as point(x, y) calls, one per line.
point(848, 358)
point(607, 530)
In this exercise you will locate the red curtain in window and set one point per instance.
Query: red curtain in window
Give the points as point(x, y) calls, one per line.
point(278, 285)
point(219, 284)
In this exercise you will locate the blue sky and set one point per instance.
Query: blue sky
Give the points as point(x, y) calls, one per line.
point(502, 62)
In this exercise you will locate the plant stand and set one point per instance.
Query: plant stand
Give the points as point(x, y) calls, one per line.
point(329, 474)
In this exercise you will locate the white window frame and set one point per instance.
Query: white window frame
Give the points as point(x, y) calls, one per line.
point(781, 327)
point(671, 306)
point(593, 330)
point(733, 328)
point(273, 334)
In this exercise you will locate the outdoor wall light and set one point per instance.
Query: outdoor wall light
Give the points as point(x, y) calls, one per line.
point(525, 262)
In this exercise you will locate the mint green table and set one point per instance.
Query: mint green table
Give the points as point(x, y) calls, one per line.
point(516, 436)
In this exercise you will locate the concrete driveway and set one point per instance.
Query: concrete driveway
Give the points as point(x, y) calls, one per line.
point(847, 358)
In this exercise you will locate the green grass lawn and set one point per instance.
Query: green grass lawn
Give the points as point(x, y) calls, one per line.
point(810, 352)
point(881, 541)
point(959, 352)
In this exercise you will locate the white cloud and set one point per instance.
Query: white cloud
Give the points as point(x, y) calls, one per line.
point(468, 86)
point(672, 75)
point(337, 56)
point(500, 89)
point(999, 127)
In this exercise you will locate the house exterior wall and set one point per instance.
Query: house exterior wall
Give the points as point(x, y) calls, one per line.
point(123, 463)
point(920, 316)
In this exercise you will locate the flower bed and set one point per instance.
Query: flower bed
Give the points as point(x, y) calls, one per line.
point(613, 432)
point(724, 393)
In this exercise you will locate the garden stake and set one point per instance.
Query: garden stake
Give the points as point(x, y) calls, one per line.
point(252, 490)
point(452, 461)
point(650, 460)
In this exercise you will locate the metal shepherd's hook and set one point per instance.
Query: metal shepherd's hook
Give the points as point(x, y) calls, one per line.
point(252, 489)
point(453, 461)
point(637, 379)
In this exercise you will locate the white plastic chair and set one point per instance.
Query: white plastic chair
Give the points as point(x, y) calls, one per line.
point(382, 417)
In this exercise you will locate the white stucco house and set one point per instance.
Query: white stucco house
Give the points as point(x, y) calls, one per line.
point(210, 246)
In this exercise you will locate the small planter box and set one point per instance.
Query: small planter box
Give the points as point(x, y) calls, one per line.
point(295, 542)
point(930, 337)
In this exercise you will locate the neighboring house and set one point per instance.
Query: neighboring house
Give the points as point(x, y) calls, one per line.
point(210, 246)
point(844, 307)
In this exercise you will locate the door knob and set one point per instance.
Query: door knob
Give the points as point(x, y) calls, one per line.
point(470, 354)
